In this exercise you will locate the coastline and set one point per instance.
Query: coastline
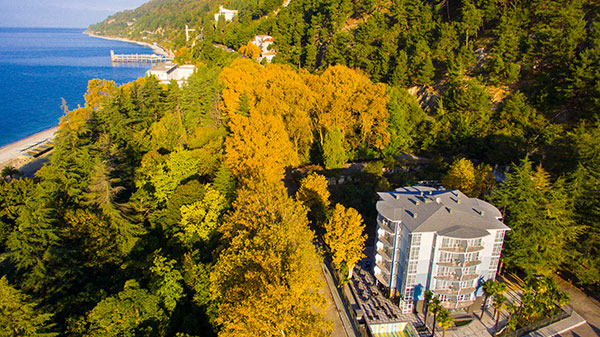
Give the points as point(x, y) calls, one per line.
point(14, 154)
point(155, 47)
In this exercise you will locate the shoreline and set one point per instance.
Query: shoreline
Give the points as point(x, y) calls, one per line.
point(157, 49)
point(14, 154)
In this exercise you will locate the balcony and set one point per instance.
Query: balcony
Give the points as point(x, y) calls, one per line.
point(451, 278)
point(381, 276)
point(462, 249)
point(384, 253)
point(470, 277)
point(386, 227)
point(457, 277)
point(385, 266)
point(459, 264)
point(386, 240)
point(455, 291)
point(457, 304)
point(472, 263)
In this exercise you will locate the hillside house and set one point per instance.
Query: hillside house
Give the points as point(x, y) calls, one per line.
point(263, 42)
point(228, 14)
point(165, 72)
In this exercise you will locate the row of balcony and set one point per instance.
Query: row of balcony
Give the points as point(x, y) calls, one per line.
point(457, 304)
point(459, 263)
point(455, 291)
point(457, 277)
point(462, 249)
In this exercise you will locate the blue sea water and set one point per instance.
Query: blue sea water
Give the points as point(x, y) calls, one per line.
point(39, 66)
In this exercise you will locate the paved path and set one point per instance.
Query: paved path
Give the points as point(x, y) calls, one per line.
point(586, 306)
point(344, 315)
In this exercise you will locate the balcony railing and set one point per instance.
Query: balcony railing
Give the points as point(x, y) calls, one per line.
point(386, 227)
point(462, 249)
point(457, 277)
point(455, 291)
point(386, 240)
point(459, 264)
point(451, 278)
point(385, 266)
point(382, 276)
point(384, 253)
point(457, 304)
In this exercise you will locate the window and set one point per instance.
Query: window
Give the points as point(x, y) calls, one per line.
point(411, 280)
point(445, 243)
point(409, 293)
point(412, 267)
point(414, 253)
point(466, 284)
point(499, 236)
point(497, 249)
point(416, 240)
point(444, 257)
point(470, 270)
point(492, 274)
point(494, 262)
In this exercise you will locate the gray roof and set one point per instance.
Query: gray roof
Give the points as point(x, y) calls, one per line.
point(448, 212)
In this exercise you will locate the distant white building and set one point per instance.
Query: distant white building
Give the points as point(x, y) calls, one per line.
point(228, 14)
point(263, 42)
point(165, 72)
point(438, 240)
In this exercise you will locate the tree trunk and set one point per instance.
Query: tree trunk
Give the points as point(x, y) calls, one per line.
point(484, 306)
point(433, 328)
point(350, 271)
point(496, 326)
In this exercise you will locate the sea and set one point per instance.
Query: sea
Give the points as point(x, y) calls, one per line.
point(39, 66)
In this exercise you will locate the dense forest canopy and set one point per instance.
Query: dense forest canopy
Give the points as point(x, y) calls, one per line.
point(170, 210)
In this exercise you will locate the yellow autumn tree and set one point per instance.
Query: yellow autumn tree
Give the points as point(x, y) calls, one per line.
point(267, 279)
point(461, 176)
point(258, 147)
point(199, 220)
point(349, 100)
point(98, 92)
point(277, 90)
point(484, 180)
point(344, 236)
point(250, 50)
point(314, 194)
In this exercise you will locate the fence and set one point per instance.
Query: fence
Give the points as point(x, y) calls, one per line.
point(565, 312)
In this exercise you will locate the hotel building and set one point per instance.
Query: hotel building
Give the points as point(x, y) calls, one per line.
point(438, 240)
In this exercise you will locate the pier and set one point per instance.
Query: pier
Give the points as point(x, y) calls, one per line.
point(140, 58)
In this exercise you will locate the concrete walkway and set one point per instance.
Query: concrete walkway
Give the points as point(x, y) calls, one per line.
point(343, 313)
point(559, 327)
point(586, 306)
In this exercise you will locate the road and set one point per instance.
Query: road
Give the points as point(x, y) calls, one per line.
point(586, 306)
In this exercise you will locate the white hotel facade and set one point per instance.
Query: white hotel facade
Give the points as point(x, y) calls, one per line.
point(438, 240)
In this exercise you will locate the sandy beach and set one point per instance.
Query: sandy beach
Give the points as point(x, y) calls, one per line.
point(155, 48)
point(14, 154)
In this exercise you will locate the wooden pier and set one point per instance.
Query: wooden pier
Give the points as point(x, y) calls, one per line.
point(139, 58)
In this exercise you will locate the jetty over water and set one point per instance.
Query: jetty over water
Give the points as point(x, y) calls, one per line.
point(140, 58)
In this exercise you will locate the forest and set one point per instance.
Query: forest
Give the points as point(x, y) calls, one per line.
point(193, 211)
